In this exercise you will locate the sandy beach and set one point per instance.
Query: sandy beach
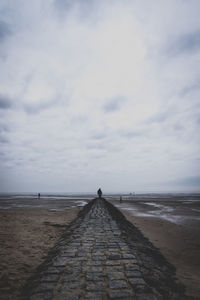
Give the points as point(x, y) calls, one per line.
point(179, 244)
point(27, 234)
point(175, 232)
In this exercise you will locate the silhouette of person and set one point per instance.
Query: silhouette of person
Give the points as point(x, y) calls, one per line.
point(99, 192)
point(120, 199)
point(38, 195)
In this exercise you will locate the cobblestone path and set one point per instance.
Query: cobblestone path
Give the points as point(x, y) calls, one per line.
point(92, 261)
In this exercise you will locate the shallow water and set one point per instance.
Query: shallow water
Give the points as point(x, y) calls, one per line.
point(52, 202)
point(176, 208)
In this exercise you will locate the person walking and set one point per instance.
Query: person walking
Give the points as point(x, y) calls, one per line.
point(99, 193)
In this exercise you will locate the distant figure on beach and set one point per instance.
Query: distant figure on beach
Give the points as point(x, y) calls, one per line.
point(120, 199)
point(38, 195)
point(99, 192)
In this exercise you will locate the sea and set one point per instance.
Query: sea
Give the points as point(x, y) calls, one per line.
point(174, 207)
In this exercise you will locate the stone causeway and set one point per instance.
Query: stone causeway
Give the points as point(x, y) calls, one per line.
point(102, 256)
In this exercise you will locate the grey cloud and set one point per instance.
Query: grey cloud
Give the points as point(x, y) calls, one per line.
point(4, 30)
point(3, 140)
point(65, 6)
point(33, 109)
point(186, 43)
point(159, 117)
point(178, 127)
point(5, 102)
point(4, 128)
point(188, 181)
point(95, 147)
point(198, 119)
point(79, 119)
point(133, 133)
point(2, 154)
point(114, 104)
point(100, 156)
point(189, 89)
point(98, 136)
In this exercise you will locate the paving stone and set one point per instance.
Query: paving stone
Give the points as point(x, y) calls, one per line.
point(42, 296)
point(94, 263)
point(72, 278)
point(112, 263)
point(75, 244)
point(93, 296)
point(124, 248)
point(128, 255)
point(116, 275)
point(112, 245)
point(120, 294)
point(137, 281)
point(114, 269)
point(133, 273)
point(83, 259)
point(54, 270)
point(117, 284)
point(146, 297)
point(95, 276)
point(50, 277)
point(70, 296)
point(117, 232)
point(73, 285)
point(94, 269)
point(60, 261)
point(131, 267)
point(114, 256)
point(69, 254)
point(94, 286)
point(96, 251)
point(130, 262)
point(45, 286)
point(98, 257)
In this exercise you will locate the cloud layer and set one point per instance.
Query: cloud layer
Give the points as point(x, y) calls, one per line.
point(99, 93)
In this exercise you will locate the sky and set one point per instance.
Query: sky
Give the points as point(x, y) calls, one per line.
point(99, 94)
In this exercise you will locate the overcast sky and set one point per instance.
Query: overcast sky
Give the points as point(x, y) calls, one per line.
point(99, 94)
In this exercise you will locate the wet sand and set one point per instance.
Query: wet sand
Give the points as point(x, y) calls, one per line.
point(176, 234)
point(26, 236)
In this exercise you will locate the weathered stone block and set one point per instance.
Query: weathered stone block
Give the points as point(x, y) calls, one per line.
point(94, 286)
point(146, 297)
point(112, 263)
point(116, 275)
point(117, 284)
point(95, 276)
point(120, 294)
point(137, 281)
point(134, 273)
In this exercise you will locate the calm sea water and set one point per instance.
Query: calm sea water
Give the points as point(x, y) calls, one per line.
point(50, 201)
point(176, 208)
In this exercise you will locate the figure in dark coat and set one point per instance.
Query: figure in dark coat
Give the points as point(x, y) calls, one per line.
point(99, 192)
